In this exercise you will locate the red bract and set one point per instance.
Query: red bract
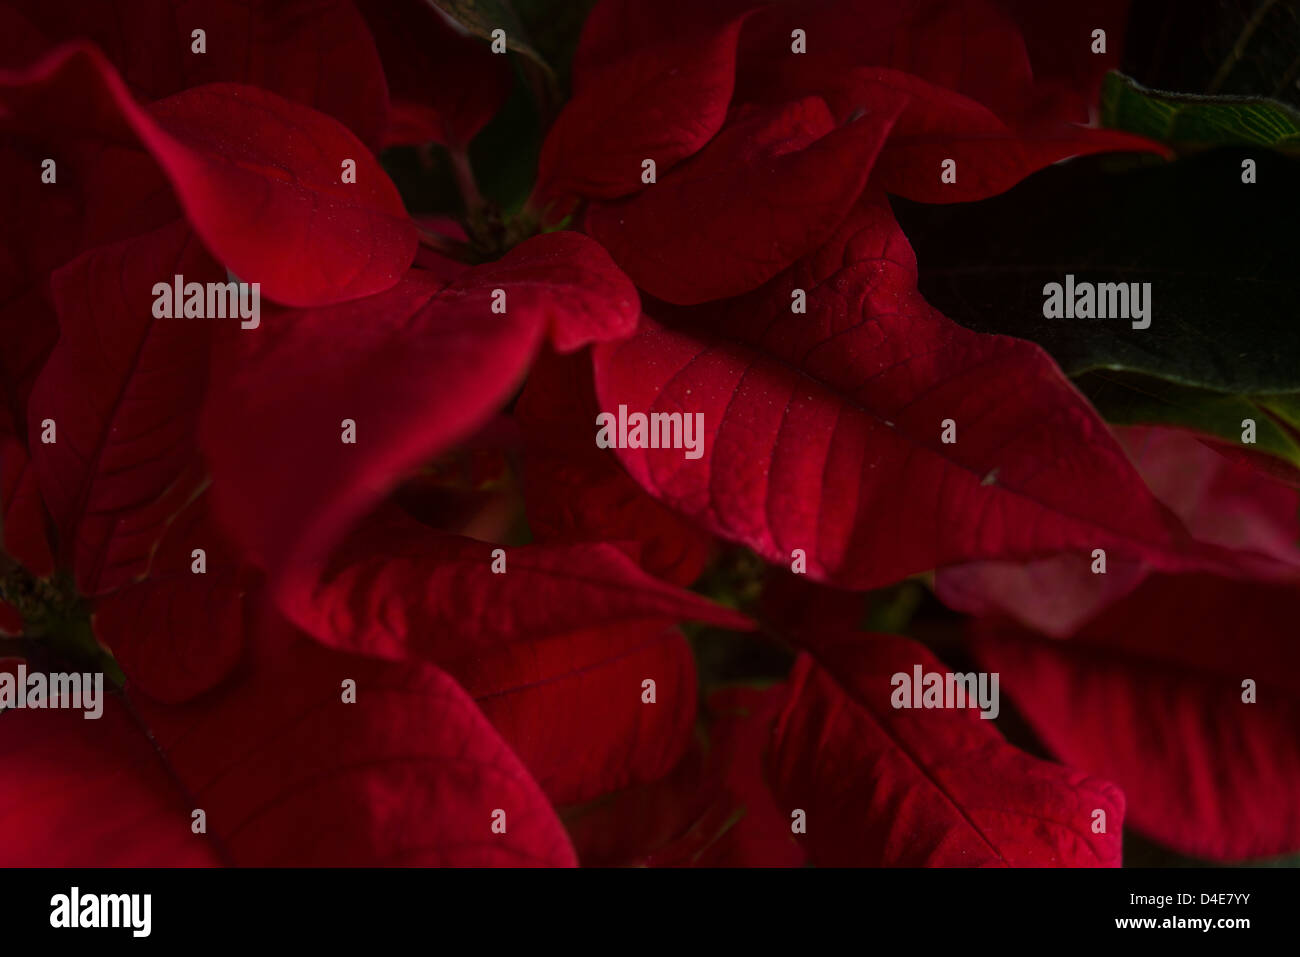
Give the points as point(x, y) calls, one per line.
point(574, 707)
point(967, 46)
point(22, 535)
point(998, 89)
point(926, 84)
point(183, 629)
point(371, 584)
point(1221, 501)
point(556, 410)
point(767, 190)
point(989, 155)
point(309, 240)
point(1060, 39)
point(410, 773)
point(555, 642)
point(713, 810)
point(889, 787)
point(824, 431)
point(121, 394)
point(415, 369)
point(617, 119)
point(1154, 695)
point(22, 532)
point(444, 87)
point(397, 589)
point(296, 48)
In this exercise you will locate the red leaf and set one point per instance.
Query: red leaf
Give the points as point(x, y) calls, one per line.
point(123, 390)
point(938, 125)
point(104, 193)
point(663, 102)
point(1059, 40)
point(557, 412)
point(769, 188)
point(1056, 594)
point(967, 46)
point(410, 773)
point(928, 788)
point(472, 489)
point(417, 369)
point(822, 432)
point(259, 177)
point(1150, 696)
point(22, 516)
point(290, 47)
point(396, 589)
point(444, 86)
point(554, 644)
point(572, 706)
point(1222, 501)
point(78, 793)
point(964, 68)
point(616, 29)
point(29, 330)
point(181, 631)
point(713, 810)
point(755, 832)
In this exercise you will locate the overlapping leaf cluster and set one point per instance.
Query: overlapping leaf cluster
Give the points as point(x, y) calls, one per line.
point(499, 589)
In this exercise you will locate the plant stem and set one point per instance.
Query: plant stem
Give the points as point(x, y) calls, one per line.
point(465, 181)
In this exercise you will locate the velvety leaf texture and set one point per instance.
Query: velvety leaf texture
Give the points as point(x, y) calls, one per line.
point(557, 410)
point(911, 788)
point(240, 160)
point(1152, 696)
point(502, 433)
point(1199, 121)
point(286, 46)
point(765, 191)
point(812, 419)
point(648, 107)
point(411, 773)
point(397, 589)
point(380, 377)
point(123, 390)
point(182, 630)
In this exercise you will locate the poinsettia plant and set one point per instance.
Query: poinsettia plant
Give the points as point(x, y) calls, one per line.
point(640, 433)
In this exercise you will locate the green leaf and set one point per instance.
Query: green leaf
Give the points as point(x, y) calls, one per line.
point(1126, 399)
point(1189, 122)
point(1243, 47)
point(1285, 407)
point(1220, 256)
